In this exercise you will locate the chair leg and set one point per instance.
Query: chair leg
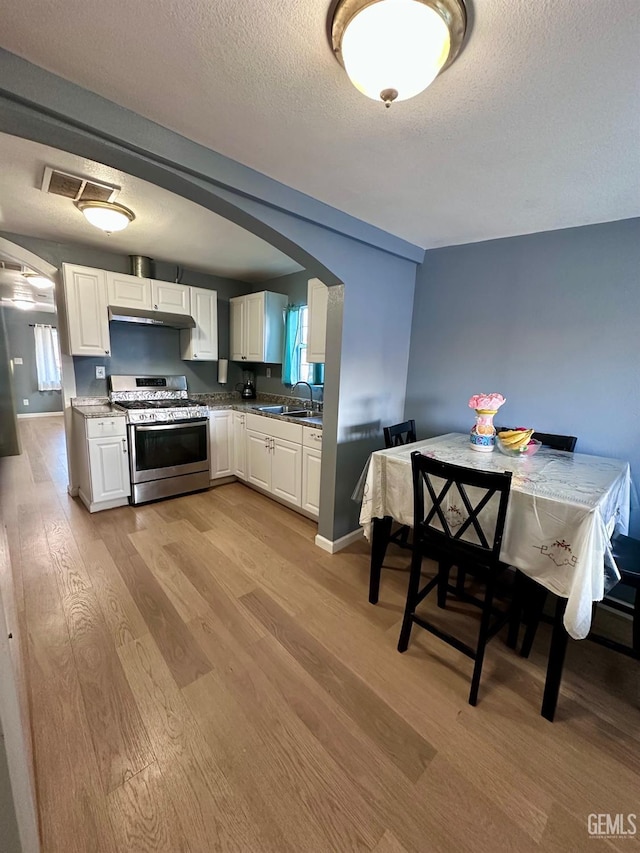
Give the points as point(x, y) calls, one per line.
point(557, 651)
point(379, 542)
point(412, 595)
point(483, 637)
point(515, 613)
point(533, 610)
point(462, 576)
point(444, 570)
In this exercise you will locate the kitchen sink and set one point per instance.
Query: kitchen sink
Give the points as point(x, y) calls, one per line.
point(306, 413)
point(280, 410)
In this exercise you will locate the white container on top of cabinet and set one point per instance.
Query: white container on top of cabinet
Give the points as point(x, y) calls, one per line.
point(317, 301)
point(257, 327)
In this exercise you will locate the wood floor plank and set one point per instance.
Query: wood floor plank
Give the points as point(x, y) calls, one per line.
point(297, 776)
point(144, 817)
point(120, 740)
point(123, 618)
point(402, 745)
point(389, 844)
point(180, 650)
point(73, 813)
point(212, 815)
point(183, 595)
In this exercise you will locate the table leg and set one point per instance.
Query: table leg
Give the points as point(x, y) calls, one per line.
point(557, 650)
point(379, 542)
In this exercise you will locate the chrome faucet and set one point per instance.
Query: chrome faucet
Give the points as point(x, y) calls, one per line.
point(310, 391)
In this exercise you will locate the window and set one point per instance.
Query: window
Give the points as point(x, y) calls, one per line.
point(47, 358)
point(295, 367)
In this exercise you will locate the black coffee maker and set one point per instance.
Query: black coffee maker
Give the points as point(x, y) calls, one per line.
point(247, 387)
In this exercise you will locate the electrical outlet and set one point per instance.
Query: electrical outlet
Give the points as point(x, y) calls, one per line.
point(100, 371)
point(268, 373)
point(25, 402)
point(17, 361)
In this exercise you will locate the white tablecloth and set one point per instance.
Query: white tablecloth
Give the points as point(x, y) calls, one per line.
point(563, 508)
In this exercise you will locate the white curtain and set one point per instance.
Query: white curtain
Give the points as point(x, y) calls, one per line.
point(47, 358)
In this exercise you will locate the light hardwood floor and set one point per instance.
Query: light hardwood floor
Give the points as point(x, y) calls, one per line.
point(203, 678)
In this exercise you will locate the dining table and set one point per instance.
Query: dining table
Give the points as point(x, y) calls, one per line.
point(563, 509)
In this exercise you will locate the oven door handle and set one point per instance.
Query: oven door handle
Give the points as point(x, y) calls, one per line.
point(175, 425)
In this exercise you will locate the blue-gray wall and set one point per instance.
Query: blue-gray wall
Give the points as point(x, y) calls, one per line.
point(550, 320)
point(21, 341)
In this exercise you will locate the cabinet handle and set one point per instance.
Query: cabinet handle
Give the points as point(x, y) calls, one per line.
point(124, 445)
point(156, 307)
point(195, 355)
point(106, 352)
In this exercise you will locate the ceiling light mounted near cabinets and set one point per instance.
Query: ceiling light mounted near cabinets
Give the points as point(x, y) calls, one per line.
point(39, 281)
point(393, 49)
point(106, 215)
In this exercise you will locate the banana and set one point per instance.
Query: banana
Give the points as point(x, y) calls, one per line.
point(515, 439)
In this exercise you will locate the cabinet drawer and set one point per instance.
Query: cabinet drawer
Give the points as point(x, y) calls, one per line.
point(275, 428)
point(99, 427)
point(312, 438)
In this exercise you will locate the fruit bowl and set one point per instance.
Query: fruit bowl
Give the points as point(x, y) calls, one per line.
point(519, 452)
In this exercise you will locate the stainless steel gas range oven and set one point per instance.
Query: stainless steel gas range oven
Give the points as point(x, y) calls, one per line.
point(168, 436)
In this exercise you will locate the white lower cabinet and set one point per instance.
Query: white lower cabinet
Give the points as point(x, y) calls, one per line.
point(311, 468)
point(239, 445)
point(274, 457)
point(103, 456)
point(221, 443)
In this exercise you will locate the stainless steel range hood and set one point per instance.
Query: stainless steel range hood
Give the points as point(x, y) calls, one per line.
point(151, 318)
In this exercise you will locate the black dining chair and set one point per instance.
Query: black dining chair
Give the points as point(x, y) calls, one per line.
point(397, 436)
point(452, 527)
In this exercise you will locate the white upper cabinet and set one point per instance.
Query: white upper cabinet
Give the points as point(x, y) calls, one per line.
point(201, 343)
point(317, 301)
point(170, 297)
point(85, 292)
point(257, 327)
point(131, 291)
point(128, 291)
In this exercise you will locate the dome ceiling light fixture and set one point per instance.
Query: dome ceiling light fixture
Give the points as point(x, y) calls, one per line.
point(37, 280)
point(106, 215)
point(393, 49)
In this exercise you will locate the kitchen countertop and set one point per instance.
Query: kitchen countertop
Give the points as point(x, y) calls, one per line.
point(102, 408)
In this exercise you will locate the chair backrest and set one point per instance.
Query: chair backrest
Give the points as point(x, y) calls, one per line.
point(466, 526)
point(399, 434)
point(551, 440)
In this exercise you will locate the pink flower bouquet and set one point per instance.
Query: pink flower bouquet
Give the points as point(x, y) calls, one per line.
point(487, 402)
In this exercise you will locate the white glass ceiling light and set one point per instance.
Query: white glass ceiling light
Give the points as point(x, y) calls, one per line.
point(39, 281)
point(393, 49)
point(106, 215)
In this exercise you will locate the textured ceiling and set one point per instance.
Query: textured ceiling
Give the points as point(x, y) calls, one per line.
point(534, 127)
point(167, 227)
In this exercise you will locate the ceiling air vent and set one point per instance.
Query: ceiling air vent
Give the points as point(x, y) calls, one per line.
point(71, 186)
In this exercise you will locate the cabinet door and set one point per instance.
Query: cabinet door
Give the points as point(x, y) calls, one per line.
point(171, 297)
point(311, 465)
point(317, 300)
point(236, 329)
point(239, 446)
point(254, 327)
point(85, 291)
point(201, 343)
point(286, 470)
point(128, 291)
point(221, 443)
point(109, 468)
point(258, 459)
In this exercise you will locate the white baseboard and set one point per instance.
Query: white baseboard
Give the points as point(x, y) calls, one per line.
point(338, 544)
point(41, 415)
